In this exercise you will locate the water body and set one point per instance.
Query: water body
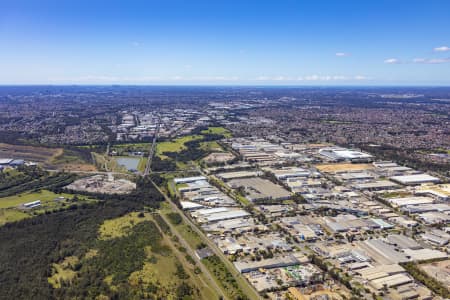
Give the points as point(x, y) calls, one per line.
point(130, 163)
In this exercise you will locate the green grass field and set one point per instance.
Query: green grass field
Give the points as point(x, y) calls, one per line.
point(11, 215)
point(9, 211)
point(224, 277)
point(142, 164)
point(184, 229)
point(133, 146)
point(211, 146)
point(122, 226)
point(67, 157)
point(395, 194)
point(45, 196)
point(175, 146)
point(218, 130)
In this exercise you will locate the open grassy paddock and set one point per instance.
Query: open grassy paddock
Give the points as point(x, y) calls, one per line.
point(122, 226)
point(174, 146)
point(218, 130)
point(211, 146)
point(45, 196)
point(11, 215)
point(10, 211)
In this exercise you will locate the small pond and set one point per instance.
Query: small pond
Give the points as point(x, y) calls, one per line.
point(130, 163)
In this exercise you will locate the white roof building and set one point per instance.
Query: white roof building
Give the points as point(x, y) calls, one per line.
point(415, 179)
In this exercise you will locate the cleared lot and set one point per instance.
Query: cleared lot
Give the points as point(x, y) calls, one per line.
point(37, 154)
point(332, 168)
point(439, 270)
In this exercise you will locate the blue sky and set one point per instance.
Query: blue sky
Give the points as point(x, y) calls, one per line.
point(282, 42)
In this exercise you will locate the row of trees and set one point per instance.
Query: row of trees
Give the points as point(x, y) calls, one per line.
point(226, 279)
point(37, 181)
point(427, 280)
point(20, 176)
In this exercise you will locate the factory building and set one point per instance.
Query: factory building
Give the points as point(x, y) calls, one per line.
point(415, 179)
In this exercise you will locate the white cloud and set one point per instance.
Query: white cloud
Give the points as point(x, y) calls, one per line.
point(392, 61)
point(418, 60)
point(135, 44)
point(106, 79)
point(313, 77)
point(431, 60)
point(442, 49)
point(342, 54)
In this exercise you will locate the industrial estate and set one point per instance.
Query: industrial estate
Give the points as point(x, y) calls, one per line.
point(221, 201)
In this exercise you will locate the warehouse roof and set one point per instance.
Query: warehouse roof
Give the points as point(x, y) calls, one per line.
point(258, 188)
point(386, 251)
point(391, 281)
point(410, 201)
point(232, 214)
point(380, 184)
point(403, 241)
point(5, 161)
point(414, 179)
point(238, 174)
point(189, 179)
point(208, 211)
point(342, 153)
point(190, 205)
point(276, 262)
point(425, 254)
point(382, 269)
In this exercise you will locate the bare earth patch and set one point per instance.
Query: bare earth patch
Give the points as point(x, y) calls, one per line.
point(332, 168)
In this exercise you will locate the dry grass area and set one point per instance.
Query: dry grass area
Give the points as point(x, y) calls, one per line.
point(63, 272)
point(118, 227)
point(341, 167)
point(218, 157)
point(48, 157)
point(443, 189)
point(79, 167)
point(33, 153)
point(439, 270)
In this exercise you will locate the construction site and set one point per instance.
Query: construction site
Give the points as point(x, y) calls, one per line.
point(105, 184)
